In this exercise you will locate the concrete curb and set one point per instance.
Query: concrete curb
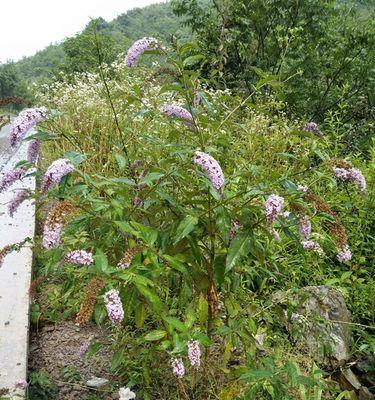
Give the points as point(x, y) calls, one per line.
point(15, 277)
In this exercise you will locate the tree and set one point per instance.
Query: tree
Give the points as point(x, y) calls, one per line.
point(11, 83)
point(316, 55)
point(82, 50)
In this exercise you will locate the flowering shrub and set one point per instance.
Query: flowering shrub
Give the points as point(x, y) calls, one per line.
point(181, 256)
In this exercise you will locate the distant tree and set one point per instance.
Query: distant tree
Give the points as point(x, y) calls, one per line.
point(11, 82)
point(82, 50)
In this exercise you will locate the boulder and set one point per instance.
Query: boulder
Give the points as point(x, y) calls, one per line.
point(320, 324)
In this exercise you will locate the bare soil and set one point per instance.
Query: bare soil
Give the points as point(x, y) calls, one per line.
point(54, 347)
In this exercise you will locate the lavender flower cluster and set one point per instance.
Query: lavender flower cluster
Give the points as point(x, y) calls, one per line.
point(33, 151)
point(209, 164)
point(194, 353)
point(178, 368)
point(138, 48)
point(304, 227)
point(344, 254)
point(55, 172)
point(79, 257)
point(313, 128)
point(174, 110)
point(52, 235)
point(17, 200)
point(10, 177)
point(26, 120)
point(113, 305)
point(311, 245)
point(84, 347)
point(353, 175)
point(273, 207)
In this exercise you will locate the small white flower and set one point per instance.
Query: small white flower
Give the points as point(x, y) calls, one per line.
point(126, 394)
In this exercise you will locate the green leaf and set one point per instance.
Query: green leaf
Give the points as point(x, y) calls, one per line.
point(75, 157)
point(176, 87)
point(42, 136)
point(239, 247)
point(101, 262)
point(175, 263)
point(146, 233)
point(121, 161)
point(193, 60)
point(185, 227)
point(140, 315)
point(118, 358)
point(202, 309)
point(155, 335)
point(176, 323)
point(151, 296)
point(223, 221)
point(99, 313)
point(149, 178)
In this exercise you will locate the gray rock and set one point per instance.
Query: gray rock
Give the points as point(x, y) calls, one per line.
point(320, 324)
point(96, 382)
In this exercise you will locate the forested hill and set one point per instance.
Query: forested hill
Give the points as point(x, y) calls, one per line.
point(155, 20)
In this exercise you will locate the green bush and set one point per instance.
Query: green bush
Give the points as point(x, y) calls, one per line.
point(197, 261)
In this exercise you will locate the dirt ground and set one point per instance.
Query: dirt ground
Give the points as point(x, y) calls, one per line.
point(54, 347)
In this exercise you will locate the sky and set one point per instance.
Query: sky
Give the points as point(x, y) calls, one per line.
point(27, 26)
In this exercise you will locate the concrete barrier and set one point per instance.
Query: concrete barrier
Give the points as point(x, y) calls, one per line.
point(15, 277)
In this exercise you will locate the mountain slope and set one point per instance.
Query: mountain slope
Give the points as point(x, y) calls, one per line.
point(155, 20)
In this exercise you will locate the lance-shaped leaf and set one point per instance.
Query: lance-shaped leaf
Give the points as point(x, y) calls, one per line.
point(239, 247)
point(185, 227)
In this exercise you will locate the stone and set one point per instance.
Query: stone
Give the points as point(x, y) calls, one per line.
point(96, 382)
point(320, 324)
point(349, 381)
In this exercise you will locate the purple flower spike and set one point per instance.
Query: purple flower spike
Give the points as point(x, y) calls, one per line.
point(178, 368)
point(138, 48)
point(313, 128)
point(52, 236)
point(84, 347)
point(353, 175)
point(55, 172)
point(26, 120)
point(114, 306)
point(209, 164)
point(79, 257)
point(311, 245)
point(344, 254)
point(194, 353)
point(19, 197)
point(304, 227)
point(33, 151)
point(273, 207)
point(10, 177)
point(174, 110)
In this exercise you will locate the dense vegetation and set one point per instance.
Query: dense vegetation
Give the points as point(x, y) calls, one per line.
point(316, 55)
point(192, 191)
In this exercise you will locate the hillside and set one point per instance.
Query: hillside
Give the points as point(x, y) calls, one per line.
point(155, 20)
